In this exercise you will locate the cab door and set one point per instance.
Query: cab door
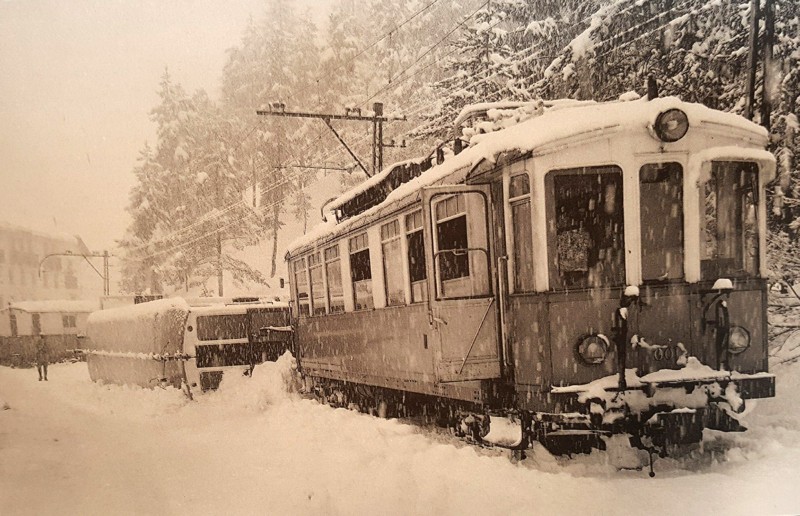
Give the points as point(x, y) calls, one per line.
point(463, 311)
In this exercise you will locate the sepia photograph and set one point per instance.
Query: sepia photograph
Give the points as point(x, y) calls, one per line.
point(404, 257)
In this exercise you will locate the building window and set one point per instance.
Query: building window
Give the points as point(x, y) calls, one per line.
point(68, 321)
point(519, 194)
point(416, 257)
point(730, 232)
point(333, 270)
point(392, 263)
point(301, 283)
point(661, 194)
point(361, 272)
point(70, 280)
point(317, 284)
point(587, 237)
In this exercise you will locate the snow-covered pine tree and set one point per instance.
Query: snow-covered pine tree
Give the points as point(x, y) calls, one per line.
point(477, 67)
point(276, 61)
point(185, 203)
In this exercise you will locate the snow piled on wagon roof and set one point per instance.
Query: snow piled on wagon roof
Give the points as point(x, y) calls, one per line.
point(141, 311)
point(555, 123)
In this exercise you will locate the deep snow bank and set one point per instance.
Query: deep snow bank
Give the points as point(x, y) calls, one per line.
point(254, 446)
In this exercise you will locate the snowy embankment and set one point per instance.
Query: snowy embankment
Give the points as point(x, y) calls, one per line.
point(70, 446)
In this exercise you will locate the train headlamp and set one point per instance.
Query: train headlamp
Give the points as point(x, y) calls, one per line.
point(593, 349)
point(738, 340)
point(671, 125)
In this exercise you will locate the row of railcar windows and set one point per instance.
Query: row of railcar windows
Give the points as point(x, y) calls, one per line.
point(586, 238)
point(318, 276)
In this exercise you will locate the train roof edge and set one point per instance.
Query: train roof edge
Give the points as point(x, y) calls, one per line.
point(549, 122)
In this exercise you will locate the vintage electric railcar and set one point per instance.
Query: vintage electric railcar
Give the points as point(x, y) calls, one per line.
point(579, 269)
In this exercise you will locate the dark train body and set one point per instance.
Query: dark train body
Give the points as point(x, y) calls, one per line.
point(591, 269)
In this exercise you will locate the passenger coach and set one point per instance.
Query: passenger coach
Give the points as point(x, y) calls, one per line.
point(578, 268)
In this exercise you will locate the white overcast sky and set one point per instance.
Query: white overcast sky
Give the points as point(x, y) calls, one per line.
point(77, 81)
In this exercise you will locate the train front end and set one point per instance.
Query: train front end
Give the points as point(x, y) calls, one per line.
point(656, 312)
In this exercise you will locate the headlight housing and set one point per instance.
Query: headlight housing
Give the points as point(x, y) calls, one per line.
point(593, 349)
point(738, 340)
point(671, 125)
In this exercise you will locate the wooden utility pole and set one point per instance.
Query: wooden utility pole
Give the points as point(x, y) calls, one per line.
point(766, 87)
point(752, 58)
point(218, 196)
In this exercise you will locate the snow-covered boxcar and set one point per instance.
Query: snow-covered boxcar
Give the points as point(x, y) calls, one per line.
point(170, 342)
point(582, 268)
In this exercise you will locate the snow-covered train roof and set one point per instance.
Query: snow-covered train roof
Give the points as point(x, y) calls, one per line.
point(554, 125)
point(236, 308)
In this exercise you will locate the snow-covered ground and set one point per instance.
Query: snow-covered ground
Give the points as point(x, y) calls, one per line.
point(70, 446)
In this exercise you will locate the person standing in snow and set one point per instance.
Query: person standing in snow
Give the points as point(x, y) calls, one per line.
point(42, 356)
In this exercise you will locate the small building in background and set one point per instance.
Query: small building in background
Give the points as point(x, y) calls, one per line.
point(62, 322)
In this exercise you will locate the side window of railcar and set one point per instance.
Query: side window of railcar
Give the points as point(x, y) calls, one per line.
point(520, 199)
point(586, 229)
point(730, 228)
point(392, 263)
point(222, 327)
point(333, 269)
point(461, 251)
point(661, 201)
point(361, 272)
point(416, 257)
point(301, 281)
point(317, 285)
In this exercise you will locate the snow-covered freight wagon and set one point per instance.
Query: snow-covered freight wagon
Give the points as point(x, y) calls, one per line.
point(577, 268)
point(139, 344)
point(169, 342)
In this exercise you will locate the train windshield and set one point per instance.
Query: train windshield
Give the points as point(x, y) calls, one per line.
point(730, 229)
point(587, 237)
point(661, 201)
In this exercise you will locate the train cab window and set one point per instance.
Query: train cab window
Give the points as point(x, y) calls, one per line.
point(416, 257)
point(392, 263)
point(462, 270)
point(317, 285)
point(301, 284)
point(730, 230)
point(587, 232)
point(519, 194)
point(661, 201)
point(361, 272)
point(333, 269)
